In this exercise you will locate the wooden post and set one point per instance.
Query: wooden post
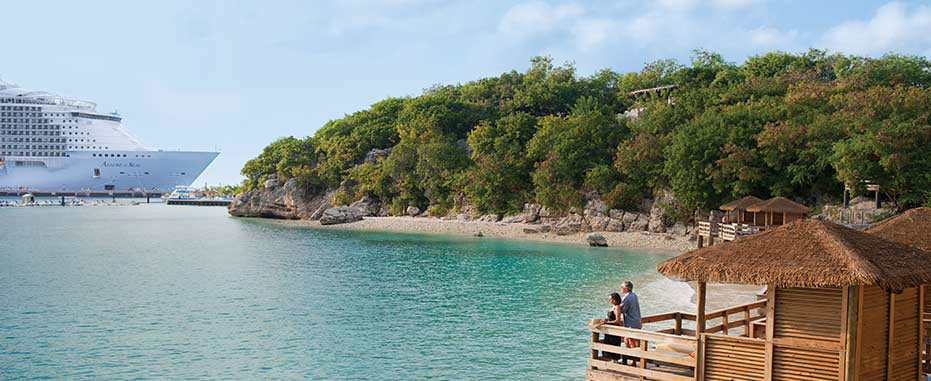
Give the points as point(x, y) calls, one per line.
point(849, 323)
point(700, 314)
point(595, 337)
point(701, 241)
point(747, 322)
point(890, 343)
point(770, 331)
point(783, 218)
point(678, 330)
point(921, 328)
point(724, 323)
point(859, 328)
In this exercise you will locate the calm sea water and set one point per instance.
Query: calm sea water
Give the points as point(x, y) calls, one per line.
point(159, 292)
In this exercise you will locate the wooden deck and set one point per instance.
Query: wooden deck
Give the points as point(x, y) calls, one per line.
point(667, 345)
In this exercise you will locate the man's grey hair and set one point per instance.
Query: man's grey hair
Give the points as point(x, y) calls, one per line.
point(628, 285)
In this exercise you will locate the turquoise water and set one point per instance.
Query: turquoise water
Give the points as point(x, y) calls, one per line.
point(157, 292)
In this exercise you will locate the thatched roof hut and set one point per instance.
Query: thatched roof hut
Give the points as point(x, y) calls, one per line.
point(777, 211)
point(741, 204)
point(806, 253)
point(911, 228)
point(779, 205)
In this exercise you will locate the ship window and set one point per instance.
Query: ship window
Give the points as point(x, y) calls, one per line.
point(96, 172)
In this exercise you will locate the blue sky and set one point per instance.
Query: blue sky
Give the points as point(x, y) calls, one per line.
point(196, 75)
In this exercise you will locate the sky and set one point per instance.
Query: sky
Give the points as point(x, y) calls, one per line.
point(234, 76)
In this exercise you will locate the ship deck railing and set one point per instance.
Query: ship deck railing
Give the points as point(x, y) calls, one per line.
point(669, 348)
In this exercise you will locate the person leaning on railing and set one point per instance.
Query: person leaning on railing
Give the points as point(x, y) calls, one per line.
point(630, 313)
point(614, 317)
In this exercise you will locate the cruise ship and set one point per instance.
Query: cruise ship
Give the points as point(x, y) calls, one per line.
point(56, 144)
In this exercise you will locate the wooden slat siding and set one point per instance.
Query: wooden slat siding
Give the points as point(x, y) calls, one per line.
point(733, 358)
point(903, 361)
point(873, 335)
point(810, 314)
point(805, 364)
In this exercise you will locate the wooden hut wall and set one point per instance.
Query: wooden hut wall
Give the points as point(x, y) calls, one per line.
point(792, 217)
point(873, 334)
point(811, 314)
point(903, 356)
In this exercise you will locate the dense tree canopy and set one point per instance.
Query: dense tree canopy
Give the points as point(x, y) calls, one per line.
point(797, 125)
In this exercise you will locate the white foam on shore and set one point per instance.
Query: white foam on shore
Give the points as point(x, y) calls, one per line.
point(672, 295)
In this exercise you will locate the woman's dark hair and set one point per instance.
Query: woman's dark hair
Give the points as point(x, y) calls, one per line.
point(616, 298)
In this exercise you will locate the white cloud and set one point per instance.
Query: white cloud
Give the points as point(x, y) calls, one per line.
point(677, 5)
point(767, 37)
point(734, 4)
point(527, 19)
point(590, 34)
point(892, 27)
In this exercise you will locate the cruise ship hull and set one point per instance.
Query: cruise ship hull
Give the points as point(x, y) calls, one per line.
point(151, 171)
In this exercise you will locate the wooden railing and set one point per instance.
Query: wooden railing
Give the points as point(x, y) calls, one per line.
point(708, 228)
point(667, 365)
point(678, 365)
point(730, 232)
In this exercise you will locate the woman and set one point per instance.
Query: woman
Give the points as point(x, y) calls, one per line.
point(614, 317)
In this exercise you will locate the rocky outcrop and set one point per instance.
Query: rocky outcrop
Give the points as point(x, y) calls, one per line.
point(489, 218)
point(412, 211)
point(287, 201)
point(341, 215)
point(369, 206)
point(659, 220)
point(376, 154)
point(596, 239)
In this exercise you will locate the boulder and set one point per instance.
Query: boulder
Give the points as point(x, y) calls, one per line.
point(368, 205)
point(595, 208)
point(478, 234)
point(566, 229)
point(547, 213)
point(615, 225)
point(412, 211)
point(513, 219)
point(596, 239)
point(599, 223)
point(489, 218)
point(679, 229)
point(616, 214)
point(340, 215)
point(533, 229)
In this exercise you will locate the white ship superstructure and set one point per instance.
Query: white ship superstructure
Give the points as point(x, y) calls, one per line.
point(51, 143)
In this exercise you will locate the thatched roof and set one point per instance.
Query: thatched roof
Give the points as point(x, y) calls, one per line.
point(806, 253)
point(779, 205)
point(741, 204)
point(911, 228)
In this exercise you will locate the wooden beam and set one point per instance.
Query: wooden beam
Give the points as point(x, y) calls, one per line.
point(700, 313)
point(921, 327)
point(770, 331)
point(849, 332)
point(890, 343)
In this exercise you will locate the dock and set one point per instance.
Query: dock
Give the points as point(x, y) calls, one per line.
point(200, 202)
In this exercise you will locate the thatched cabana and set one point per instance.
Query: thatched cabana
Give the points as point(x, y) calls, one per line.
point(739, 210)
point(841, 304)
point(777, 211)
point(912, 228)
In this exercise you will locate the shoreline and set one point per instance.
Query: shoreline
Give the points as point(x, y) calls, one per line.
point(515, 231)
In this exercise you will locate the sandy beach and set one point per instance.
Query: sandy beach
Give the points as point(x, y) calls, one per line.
point(641, 240)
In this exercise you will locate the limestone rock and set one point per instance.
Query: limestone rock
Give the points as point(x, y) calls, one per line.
point(596, 239)
point(615, 225)
point(678, 230)
point(376, 154)
point(599, 223)
point(616, 214)
point(412, 211)
point(595, 208)
point(513, 219)
point(533, 229)
point(368, 205)
point(340, 215)
point(271, 183)
point(478, 234)
point(489, 218)
point(287, 201)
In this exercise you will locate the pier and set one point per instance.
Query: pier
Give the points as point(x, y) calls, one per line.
point(200, 202)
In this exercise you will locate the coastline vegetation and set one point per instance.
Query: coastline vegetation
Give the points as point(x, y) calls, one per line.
point(778, 124)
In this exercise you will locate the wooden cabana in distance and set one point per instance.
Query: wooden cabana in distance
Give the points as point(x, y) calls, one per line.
point(737, 210)
point(912, 228)
point(841, 304)
point(777, 211)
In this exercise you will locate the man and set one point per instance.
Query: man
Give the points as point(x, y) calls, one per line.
point(630, 309)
